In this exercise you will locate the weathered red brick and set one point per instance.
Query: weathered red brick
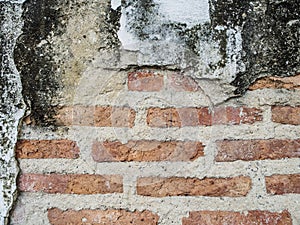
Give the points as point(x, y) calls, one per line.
point(98, 116)
point(41, 149)
point(71, 183)
point(157, 117)
point(179, 186)
point(255, 217)
point(234, 116)
point(114, 116)
point(277, 83)
point(247, 150)
point(178, 82)
point(286, 115)
point(145, 150)
point(98, 217)
point(283, 184)
point(145, 81)
point(180, 117)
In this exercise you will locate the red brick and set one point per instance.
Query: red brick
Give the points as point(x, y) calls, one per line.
point(236, 218)
point(286, 115)
point(283, 184)
point(179, 186)
point(157, 117)
point(234, 116)
point(147, 151)
point(247, 150)
point(180, 117)
point(71, 183)
point(145, 81)
point(98, 116)
point(98, 217)
point(178, 82)
point(41, 149)
point(205, 116)
point(114, 117)
point(277, 83)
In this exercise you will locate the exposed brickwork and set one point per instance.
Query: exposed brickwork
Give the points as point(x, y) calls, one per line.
point(286, 115)
point(283, 184)
point(71, 183)
point(231, 150)
point(147, 151)
point(178, 186)
point(41, 149)
point(145, 81)
point(234, 218)
point(180, 117)
point(98, 116)
point(111, 216)
point(179, 82)
point(277, 83)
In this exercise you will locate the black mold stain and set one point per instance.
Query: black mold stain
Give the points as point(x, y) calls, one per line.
point(40, 65)
point(35, 60)
point(111, 26)
point(270, 33)
point(144, 19)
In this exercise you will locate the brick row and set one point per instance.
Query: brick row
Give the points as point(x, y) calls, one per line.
point(151, 81)
point(98, 116)
point(239, 186)
point(109, 116)
point(153, 150)
point(181, 117)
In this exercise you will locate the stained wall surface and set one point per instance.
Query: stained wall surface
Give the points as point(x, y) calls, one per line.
point(150, 112)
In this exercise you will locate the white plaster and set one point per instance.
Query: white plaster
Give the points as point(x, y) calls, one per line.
point(115, 4)
point(128, 40)
point(190, 12)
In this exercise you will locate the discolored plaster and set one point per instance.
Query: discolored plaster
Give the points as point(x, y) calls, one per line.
point(59, 40)
point(237, 43)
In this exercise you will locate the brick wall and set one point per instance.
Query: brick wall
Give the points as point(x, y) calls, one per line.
point(160, 150)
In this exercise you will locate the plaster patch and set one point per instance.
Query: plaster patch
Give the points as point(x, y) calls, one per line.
point(189, 12)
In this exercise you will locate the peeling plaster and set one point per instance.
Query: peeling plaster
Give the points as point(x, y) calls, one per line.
point(232, 41)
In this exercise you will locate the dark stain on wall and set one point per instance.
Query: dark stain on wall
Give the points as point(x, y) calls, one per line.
point(270, 32)
point(34, 58)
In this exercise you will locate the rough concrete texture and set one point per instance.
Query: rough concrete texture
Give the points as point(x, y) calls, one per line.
point(80, 57)
point(11, 103)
